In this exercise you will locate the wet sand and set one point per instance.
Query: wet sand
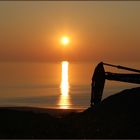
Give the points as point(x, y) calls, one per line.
point(54, 112)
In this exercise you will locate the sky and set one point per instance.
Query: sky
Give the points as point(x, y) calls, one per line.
point(98, 30)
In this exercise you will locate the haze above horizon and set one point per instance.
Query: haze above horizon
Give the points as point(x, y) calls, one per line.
point(104, 30)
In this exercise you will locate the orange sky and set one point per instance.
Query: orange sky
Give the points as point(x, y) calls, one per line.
point(31, 30)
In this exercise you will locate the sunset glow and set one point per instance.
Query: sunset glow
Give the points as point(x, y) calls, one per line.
point(67, 35)
point(49, 49)
point(65, 40)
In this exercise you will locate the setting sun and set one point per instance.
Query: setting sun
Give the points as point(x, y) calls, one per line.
point(65, 40)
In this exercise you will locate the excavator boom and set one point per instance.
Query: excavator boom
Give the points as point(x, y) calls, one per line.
point(99, 77)
point(130, 78)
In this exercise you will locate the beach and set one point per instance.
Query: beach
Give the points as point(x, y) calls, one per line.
point(115, 117)
point(69, 69)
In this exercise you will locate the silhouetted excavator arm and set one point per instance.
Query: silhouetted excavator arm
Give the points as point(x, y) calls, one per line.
point(130, 78)
point(99, 77)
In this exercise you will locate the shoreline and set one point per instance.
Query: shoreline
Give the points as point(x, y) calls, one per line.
point(55, 112)
point(117, 116)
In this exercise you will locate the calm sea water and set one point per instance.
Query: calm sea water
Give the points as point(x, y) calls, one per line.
point(42, 84)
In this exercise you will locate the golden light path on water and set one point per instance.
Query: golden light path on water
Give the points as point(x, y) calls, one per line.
point(64, 101)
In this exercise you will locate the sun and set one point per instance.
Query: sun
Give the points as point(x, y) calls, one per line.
point(65, 40)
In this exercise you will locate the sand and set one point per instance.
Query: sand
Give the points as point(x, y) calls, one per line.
point(118, 116)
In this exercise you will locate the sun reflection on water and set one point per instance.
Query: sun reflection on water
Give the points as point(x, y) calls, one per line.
point(64, 101)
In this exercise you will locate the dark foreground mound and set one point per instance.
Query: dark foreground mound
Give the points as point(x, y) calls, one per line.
point(118, 116)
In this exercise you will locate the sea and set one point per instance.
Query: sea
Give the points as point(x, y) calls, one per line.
point(62, 85)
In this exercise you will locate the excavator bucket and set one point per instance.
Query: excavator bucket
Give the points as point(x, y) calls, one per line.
point(98, 81)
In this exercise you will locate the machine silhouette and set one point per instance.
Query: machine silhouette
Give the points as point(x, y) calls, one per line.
point(99, 77)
